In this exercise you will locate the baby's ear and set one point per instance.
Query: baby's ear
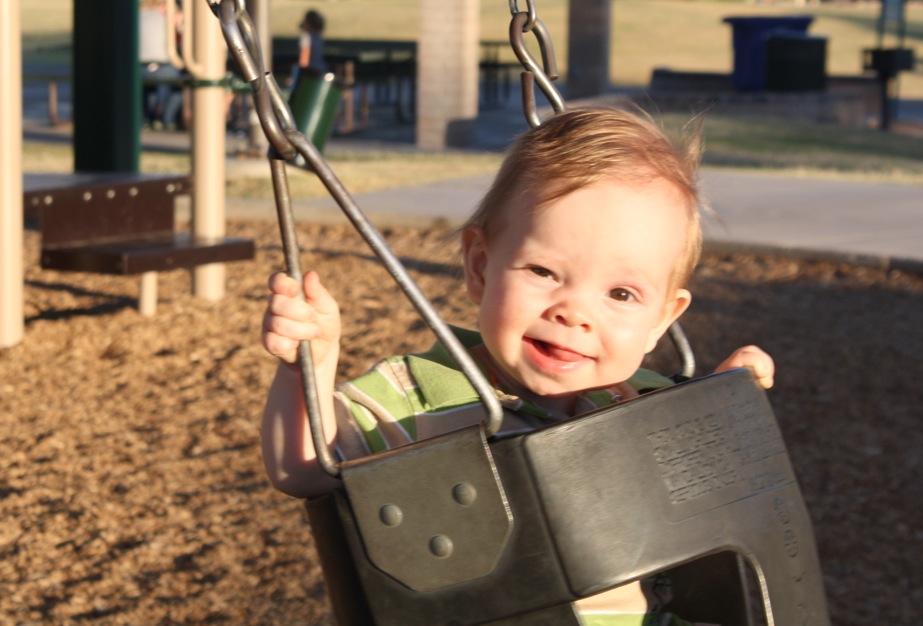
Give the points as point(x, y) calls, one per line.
point(474, 247)
point(674, 306)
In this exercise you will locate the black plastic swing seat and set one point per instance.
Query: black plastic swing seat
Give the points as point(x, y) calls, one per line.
point(693, 481)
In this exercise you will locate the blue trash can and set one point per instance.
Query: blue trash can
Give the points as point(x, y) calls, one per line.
point(749, 36)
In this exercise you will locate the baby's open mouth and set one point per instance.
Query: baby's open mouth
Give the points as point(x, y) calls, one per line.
point(556, 352)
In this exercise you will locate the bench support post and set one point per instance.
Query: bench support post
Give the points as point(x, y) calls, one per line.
point(147, 294)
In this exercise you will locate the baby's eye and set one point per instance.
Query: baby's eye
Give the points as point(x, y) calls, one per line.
point(621, 294)
point(541, 271)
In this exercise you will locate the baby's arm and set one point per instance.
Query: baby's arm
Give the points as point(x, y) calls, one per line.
point(288, 451)
point(754, 358)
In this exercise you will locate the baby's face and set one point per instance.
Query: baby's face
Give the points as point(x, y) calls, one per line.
point(572, 296)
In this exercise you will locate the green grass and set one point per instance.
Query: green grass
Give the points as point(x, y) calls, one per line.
point(684, 35)
point(365, 172)
point(809, 149)
point(731, 142)
point(359, 171)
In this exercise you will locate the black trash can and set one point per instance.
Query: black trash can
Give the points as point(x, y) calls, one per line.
point(749, 37)
point(796, 62)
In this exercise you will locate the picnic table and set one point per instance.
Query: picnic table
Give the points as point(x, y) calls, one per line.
point(383, 72)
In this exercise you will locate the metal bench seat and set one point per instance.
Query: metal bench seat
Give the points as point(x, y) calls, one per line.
point(117, 223)
point(145, 254)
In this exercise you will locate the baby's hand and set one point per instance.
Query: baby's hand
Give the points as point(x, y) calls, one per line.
point(754, 358)
point(290, 319)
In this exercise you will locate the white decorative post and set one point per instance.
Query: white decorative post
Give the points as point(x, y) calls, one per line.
point(448, 54)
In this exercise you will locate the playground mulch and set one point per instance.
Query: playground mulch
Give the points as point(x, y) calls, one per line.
point(131, 487)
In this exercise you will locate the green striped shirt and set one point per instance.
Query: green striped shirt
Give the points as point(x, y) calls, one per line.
point(409, 398)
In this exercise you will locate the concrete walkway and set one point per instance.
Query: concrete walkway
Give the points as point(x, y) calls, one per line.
point(877, 223)
point(871, 223)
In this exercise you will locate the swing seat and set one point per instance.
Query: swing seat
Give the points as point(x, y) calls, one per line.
point(693, 481)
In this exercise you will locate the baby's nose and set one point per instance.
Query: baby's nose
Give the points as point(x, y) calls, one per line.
point(569, 313)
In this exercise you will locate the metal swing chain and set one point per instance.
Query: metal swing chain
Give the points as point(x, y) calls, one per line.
point(528, 22)
point(285, 143)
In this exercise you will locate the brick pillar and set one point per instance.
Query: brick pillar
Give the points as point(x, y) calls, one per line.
point(447, 73)
point(588, 28)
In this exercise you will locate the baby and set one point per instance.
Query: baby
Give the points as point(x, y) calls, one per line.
point(578, 258)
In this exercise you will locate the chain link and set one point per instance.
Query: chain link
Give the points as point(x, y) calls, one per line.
point(543, 75)
point(530, 10)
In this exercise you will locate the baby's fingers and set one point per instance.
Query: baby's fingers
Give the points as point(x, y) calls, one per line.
point(280, 346)
point(291, 317)
point(284, 285)
point(765, 373)
point(760, 363)
point(318, 296)
point(311, 291)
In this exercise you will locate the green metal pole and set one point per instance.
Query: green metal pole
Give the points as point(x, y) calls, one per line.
point(107, 86)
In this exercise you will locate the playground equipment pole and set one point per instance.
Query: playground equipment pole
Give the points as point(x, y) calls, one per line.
point(209, 154)
point(11, 222)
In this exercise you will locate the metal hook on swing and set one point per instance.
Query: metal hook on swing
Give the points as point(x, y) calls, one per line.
point(523, 22)
point(244, 47)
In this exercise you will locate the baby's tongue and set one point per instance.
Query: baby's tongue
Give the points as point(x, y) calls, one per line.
point(561, 354)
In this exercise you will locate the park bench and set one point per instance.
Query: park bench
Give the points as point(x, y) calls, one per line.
point(384, 72)
point(120, 223)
